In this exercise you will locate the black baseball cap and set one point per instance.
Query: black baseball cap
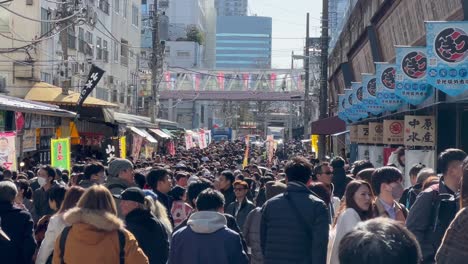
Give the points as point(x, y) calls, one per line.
point(134, 194)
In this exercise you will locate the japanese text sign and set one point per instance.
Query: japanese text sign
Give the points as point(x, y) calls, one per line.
point(385, 74)
point(8, 150)
point(393, 133)
point(411, 83)
point(419, 131)
point(447, 52)
point(60, 153)
point(363, 133)
point(111, 149)
point(353, 134)
point(375, 133)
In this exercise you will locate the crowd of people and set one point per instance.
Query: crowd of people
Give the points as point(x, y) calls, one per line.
point(204, 206)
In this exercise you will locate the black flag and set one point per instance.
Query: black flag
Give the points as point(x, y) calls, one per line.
point(95, 75)
point(111, 149)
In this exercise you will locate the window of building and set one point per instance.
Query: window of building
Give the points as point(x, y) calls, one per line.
point(46, 77)
point(89, 49)
point(81, 40)
point(116, 6)
point(71, 38)
point(124, 52)
point(46, 27)
point(114, 96)
point(125, 7)
point(104, 6)
point(116, 50)
point(105, 51)
point(98, 48)
point(181, 53)
point(135, 15)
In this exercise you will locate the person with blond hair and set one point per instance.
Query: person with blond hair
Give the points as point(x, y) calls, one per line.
point(96, 234)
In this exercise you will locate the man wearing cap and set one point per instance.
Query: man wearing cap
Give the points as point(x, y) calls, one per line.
point(147, 229)
point(120, 176)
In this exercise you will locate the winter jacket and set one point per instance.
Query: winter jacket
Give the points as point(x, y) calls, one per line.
point(54, 229)
point(421, 220)
point(41, 204)
point(229, 197)
point(340, 180)
point(284, 238)
point(167, 201)
point(18, 226)
point(207, 240)
point(345, 224)
point(242, 213)
point(150, 234)
point(454, 246)
point(116, 186)
point(93, 238)
point(251, 233)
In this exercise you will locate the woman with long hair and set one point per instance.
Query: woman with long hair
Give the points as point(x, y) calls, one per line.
point(24, 196)
point(96, 234)
point(357, 207)
point(57, 224)
point(453, 248)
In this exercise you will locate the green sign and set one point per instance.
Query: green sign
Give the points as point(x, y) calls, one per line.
point(60, 153)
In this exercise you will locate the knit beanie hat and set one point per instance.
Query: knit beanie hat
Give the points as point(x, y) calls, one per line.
point(118, 165)
point(273, 188)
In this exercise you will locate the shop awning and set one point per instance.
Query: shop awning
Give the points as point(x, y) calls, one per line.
point(27, 106)
point(168, 132)
point(48, 93)
point(133, 120)
point(160, 133)
point(143, 133)
point(328, 126)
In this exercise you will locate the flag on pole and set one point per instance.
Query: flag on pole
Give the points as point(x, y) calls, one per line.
point(95, 75)
point(246, 154)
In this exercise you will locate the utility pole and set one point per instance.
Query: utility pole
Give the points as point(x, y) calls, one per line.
point(324, 77)
point(292, 60)
point(155, 61)
point(307, 101)
point(64, 41)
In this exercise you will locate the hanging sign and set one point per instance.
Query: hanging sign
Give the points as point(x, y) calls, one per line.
point(94, 76)
point(188, 141)
point(220, 78)
point(369, 96)
point(411, 83)
point(393, 133)
point(202, 139)
point(419, 131)
point(357, 100)
point(385, 74)
point(349, 105)
point(363, 133)
point(111, 149)
point(447, 51)
point(375, 133)
point(123, 147)
point(353, 134)
point(136, 146)
point(29, 140)
point(8, 150)
point(245, 162)
point(341, 108)
point(60, 153)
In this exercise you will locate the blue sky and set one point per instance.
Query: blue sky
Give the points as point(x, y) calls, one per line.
point(289, 18)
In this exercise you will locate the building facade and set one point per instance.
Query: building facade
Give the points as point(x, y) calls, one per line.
point(232, 7)
point(243, 42)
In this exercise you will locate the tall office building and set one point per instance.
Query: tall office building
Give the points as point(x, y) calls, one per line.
point(231, 7)
point(243, 42)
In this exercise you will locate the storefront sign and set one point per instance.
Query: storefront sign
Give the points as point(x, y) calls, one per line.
point(419, 131)
point(363, 134)
point(8, 150)
point(369, 97)
point(447, 51)
point(123, 147)
point(29, 140)
point(375, 133)
point(385, 74)
point(393, 133)
point(411, 83)
point(111, 149)
point(60, 153)
point(353, 134)
point(357, 100)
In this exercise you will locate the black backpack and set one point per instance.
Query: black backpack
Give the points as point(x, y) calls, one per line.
point(444, 209)
point(63, 240)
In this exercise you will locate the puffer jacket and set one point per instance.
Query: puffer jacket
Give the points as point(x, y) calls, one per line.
point(283, 236)
point(252, 235)
point(93, 238)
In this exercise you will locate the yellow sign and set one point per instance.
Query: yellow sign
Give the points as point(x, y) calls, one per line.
point(314, 143)
point(123, 147)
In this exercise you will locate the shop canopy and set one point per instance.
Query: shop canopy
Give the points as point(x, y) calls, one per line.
point(160, 133)
point(48, 93)
point(133, 120)
point(27, 106)
point(168, 132)
point(143, 134)
point(328, 126)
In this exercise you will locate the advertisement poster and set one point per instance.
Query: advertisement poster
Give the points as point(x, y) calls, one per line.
point(419, 131)
point(375, 133)
point(136, 146)
point(149, 151)
point(411, 82)
point(8, 150)
point(385, 74)
point(60, 153)
point(447, 51)
point(29, 140)
point(393, 133)
point(369, 97)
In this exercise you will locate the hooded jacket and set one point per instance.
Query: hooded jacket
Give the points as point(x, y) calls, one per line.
point(18, 226)
point(206, 240)
point(93, 238)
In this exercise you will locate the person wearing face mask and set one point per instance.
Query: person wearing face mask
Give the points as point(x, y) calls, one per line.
point(387, 183)
point(45, 179)
point(358, 207)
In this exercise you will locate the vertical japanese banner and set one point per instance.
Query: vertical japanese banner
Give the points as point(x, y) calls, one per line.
point(188, 141)
point(167, 79)
point(349, 105)
point(245, 79)
point(447, 52)
point(202, 139)
point(8, 150)
point(136, 146)
point(411, 83)
point(369, 97)
point(245, 162)
point(149, 151)
point(363, 152)
point(19, 121)
point(123, 147)
point(393, 133)
point(173, 83)
point(171, 148)
point(299, 82)
point(357, 100)
point(221, 81)
point(60, 153)
point(419, 131)
point(270, 148)
point(341, 108)
point(273, 81)
point(385, 74)
point(111, 148)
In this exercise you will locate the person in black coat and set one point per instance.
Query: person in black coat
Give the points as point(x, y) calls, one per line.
point(147, 229)
point(17, 244)
point(340, 180)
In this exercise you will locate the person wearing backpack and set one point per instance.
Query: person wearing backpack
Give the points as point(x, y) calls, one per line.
point(95, 234)
point(436, 207)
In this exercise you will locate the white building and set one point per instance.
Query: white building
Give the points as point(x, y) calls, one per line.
point(232, 7)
